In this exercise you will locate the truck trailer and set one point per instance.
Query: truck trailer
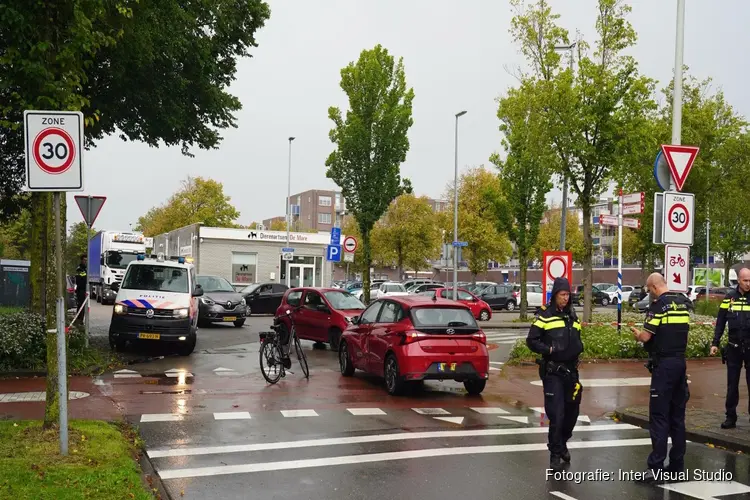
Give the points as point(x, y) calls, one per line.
point(111, 252)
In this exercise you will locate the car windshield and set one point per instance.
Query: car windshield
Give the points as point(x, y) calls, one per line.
point(119, 260)
point(442, 317)
point(613, 288)
point(214, 284)
point(343, 300)
point(156, 278)
point(394, 287)
point(248, 289)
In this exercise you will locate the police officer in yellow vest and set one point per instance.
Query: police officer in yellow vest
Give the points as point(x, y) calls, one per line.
point(556, 335)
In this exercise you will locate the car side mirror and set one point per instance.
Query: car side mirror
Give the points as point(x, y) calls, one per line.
point(198, 291)
point(101, 261)
point(115, 286)
point(355, 320)
point(322, 308)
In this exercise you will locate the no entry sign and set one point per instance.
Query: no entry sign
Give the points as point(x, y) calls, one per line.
point(54, 150)
point(350, 244)
point(678, 218)
point(556, 265)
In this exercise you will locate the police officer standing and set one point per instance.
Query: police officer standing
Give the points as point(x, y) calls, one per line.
point(556, 335)
point(81, 284)
point(735, 311)
point(665, 338)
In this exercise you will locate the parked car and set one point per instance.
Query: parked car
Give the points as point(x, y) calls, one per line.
point(477, 287)
point(612, 293)
point(319, 314)
point(414, 338)
point(501, 297)
point(425, 287)
point(71, 301)
point(638, 293)
point(420, 281)
point(220, 303)
point(389, 289)
point(535, 296)
point(599, 297)
point(713, 293)
point(360, 294)
point(478, 307)
point(263, 298)
point(645, 302)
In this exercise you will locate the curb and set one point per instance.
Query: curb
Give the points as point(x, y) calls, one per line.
point(702, 437)
point(151, 477)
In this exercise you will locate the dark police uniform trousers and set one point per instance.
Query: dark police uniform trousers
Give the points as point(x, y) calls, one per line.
point(735, 312)
point(559, 372)
point(668, 320)
point(81, 284)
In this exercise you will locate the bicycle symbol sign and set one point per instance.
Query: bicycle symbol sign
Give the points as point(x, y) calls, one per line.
point(676, 261)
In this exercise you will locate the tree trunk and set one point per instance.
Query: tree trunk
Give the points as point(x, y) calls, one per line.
point(524, 263)
point(367, 251)
point(43, 281)
point(588, 271)
point(728, 259)
point(400, 263)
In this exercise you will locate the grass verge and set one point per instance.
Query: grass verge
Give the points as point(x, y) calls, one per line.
point(604, 343)
point(101, 462)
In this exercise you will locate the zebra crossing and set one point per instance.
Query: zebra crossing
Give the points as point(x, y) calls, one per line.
point(504, 337)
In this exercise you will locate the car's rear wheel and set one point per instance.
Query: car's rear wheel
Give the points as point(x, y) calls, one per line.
point(334, 337)
point(605, 301)
point(345, 362)
point(484, 315)
point(511, 306)
point(614, 301)
point(474, 387)
point(394, 384)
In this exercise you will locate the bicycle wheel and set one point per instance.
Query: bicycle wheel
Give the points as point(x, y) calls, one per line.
point(272, 368)
point(301, 357)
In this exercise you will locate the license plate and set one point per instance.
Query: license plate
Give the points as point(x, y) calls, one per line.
point(444, 367)
point(149, 336)
point(230, 318)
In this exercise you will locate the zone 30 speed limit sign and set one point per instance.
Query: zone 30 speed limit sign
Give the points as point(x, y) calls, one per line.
point(678, 218)
point(54, 150)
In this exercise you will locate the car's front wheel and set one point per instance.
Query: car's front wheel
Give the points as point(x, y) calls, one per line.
point(239, 322)
point(345, 362)
point(188, 347)
point(511, 306)
point(393, 381)
point(484, 315)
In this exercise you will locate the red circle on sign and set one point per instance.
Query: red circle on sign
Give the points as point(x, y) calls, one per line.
point(551, 262)
point(353, 242)
point(50, 169)
point(687, 217)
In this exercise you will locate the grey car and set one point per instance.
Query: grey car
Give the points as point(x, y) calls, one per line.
point(220, 302)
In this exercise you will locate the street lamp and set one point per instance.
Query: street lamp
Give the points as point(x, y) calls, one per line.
point(564, 218)
point(289, 194)
point(455, 212)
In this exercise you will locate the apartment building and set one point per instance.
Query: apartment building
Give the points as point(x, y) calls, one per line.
point(315, 210)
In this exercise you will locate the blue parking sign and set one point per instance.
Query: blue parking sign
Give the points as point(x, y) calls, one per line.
point(333, 253)
point(335, 236)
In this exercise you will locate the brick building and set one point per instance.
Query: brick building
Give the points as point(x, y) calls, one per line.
point(315, 210)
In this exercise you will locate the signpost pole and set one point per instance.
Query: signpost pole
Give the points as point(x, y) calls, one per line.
point(61, 347)
point(708, 254)
point(87, 312)
point(677, 94)
point(619, 265)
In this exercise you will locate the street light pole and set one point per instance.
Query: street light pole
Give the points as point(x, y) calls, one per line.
point(677, 94)
point(564, 211)
point(455, 212)
point(289, 194)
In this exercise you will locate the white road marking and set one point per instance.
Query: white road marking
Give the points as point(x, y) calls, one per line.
point(559, 494)
point(299, 413)
point(387, 456)
point(707, 490)
point(505, 342)
point(35, 397)
point(431, 411)
point(610, 382)
point(537, 409)
point(581, 418)
point(490, 410)
point(365, 411)
point(225, 372)
point(222, 369)
point(232, 415)
point(371, 438)
point(161, 417)
point(453, 420)
point(496, 363)
point(177, 374)
point(127, 374)
point(523, 420)
point(493, 369)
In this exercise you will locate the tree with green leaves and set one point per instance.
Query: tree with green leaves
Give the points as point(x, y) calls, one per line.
point(525, 173)
point(371, 142)
point(14, 237)
point(155, 72)
point(549, 234)
point(597, 116)
point(198, 200)
point(77, 245)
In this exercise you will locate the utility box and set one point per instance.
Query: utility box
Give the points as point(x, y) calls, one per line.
point(14, 283)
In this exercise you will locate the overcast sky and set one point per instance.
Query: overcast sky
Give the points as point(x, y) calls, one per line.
point(457, 56)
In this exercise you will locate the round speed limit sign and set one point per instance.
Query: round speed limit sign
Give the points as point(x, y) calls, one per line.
point(54, 148)
point(677, 224)
point(678, 217)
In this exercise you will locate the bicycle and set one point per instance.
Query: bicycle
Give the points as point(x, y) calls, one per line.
point(272, 351)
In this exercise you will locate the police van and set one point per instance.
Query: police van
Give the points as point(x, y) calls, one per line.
point(157, 301)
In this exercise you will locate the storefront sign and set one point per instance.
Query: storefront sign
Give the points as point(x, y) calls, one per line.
point(221, 233)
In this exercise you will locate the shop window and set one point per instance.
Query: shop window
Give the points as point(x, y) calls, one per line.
point(244, 268)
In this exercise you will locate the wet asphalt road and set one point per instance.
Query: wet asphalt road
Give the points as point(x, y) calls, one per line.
point(213, 428)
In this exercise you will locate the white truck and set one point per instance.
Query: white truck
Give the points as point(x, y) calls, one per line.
point(111, 252)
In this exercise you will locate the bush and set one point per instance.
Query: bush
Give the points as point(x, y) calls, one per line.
point(707, 308)
point(603, 342)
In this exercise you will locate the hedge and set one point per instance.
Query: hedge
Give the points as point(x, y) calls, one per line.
point(604, 343)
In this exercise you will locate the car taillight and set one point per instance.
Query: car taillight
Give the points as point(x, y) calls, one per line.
point(515, 295)
point(71, 290)
point(411, 337)
point(481, 337)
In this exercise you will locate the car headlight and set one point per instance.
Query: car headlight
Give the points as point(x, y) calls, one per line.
point(242, 302)
point(207, 301)
point(181, 313)
point(348, 320)
point(120, 309)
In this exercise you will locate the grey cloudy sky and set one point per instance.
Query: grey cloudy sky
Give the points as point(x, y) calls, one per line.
point(457, 55)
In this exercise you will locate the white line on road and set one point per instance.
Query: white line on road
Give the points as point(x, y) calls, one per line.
point(431, 411)
point(610, 382)
point(494, 369)
point(232, 415)
point(299, 413)
point(365, 411)
point(707, 490)
point(372, 438)
point(523, 420)
point(490, 410)
point(496, 363)
point(452, 420)
point(559, 494)
point(387, 456)
point(161, 417)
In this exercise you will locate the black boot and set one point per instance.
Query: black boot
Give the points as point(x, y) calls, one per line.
point(566, 456)
point(649, 478)
point(555, 463)
point(729, 424)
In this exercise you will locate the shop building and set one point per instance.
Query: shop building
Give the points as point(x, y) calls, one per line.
point(245, 256)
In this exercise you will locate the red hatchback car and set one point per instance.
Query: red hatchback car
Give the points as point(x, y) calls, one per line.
point(320, 314)
point(413, 338)
point(479, 308)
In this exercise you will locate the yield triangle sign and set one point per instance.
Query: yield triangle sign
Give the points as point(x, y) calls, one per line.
point(90, 207)
point(680, 160)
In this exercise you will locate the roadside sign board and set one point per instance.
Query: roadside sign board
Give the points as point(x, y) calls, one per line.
point(680, 160)
point(677, 225)
point(336, 236)
point(633, 208)
point(287, 250)
point(90, 207)
point(677, 267)
point(661, 171)
point(658, 234)
point(350, 244)
point(460, 244)
point(54, 150)
point(556, 265)
point(631, 223)
point(633, 198)
point(349, 257)
point(333, 253)
point(287, 255)
point(608, 220)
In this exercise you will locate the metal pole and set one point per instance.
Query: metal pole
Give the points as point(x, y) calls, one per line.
point(289, 196)
point(455, 211)
point(677, 94)
point(87, 312)
point(564, 219)
point(619, 264)
point(708, 254)
point(62, 379)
